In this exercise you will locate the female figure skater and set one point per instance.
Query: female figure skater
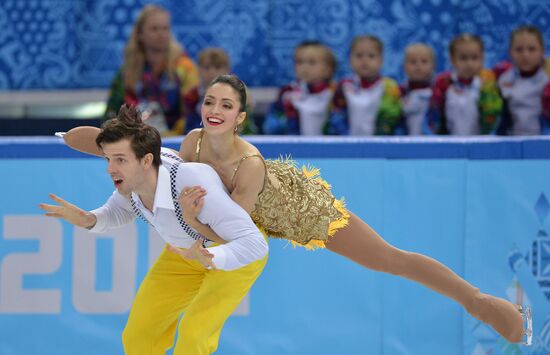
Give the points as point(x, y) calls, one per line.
point(297, 205)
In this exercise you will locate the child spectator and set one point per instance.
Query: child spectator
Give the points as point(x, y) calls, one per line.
point(416, 92)
point(213, 61)
point(465, 101)
point(524, 85)
point(303, 105)
point(368, 103)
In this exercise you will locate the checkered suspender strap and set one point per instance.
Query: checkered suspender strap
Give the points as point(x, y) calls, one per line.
point(136, 210)
point(173, 173)
point(190, 231)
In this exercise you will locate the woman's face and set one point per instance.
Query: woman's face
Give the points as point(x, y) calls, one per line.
point(221, 110)
point(155, 32)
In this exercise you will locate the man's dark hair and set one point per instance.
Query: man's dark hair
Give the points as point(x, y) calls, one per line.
point(127, 124)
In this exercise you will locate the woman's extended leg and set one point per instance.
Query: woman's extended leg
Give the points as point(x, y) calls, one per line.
point(360, 243)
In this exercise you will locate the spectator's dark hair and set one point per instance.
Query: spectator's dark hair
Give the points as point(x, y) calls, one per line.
point(377, 42)
point(213, 56)
point(329, 56)
point(128, 124)
point(533, 30)
point(235, 83)
point(465, 38)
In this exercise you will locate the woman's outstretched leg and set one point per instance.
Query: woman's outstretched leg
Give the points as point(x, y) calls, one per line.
point(360, 243)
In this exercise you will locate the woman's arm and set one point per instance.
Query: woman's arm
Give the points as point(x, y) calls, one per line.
point(191, 200)
point(189, 146)
point(249, 182)
point(83, 139)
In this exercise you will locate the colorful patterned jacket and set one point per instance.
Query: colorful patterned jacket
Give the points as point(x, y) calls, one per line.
point(283, 116)
point(388, 115)
point(489, 104)
point(415, 102)
point(544, 119)
point(167, 93)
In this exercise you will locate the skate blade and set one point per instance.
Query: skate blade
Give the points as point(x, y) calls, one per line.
point(527, 316)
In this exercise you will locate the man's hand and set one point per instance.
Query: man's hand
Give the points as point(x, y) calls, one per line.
point(196, 252)
point(69, 212)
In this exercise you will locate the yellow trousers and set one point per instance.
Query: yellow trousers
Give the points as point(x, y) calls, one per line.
point(175, 285)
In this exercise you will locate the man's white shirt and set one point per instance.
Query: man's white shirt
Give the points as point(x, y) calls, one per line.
point(245, 243)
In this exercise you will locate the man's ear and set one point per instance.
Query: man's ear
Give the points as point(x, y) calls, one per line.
point(148, 160)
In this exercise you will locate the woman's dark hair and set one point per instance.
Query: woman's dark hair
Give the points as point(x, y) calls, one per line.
point(237, 85)
point(128, 124)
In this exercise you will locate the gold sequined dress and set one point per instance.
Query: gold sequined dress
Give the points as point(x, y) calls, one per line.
point(295, 204)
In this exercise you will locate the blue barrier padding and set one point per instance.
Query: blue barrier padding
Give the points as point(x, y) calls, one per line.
point(36, 147)
point(535, 149)
point(445, 197)
point(331, 147)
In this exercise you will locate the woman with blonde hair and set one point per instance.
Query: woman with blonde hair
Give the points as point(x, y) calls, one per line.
point(155, 74)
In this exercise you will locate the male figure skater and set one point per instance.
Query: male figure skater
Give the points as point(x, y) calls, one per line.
point(211, 282)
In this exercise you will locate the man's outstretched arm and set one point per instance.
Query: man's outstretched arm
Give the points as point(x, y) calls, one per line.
point(69, 212)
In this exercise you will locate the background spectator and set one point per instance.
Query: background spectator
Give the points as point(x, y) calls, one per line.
point(416, 92)
point(155, 74)
point(367, 103)
point(302, 106)
point(465, 101)
point(522, 84)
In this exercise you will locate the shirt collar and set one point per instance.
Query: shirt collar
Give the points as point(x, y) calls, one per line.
point(367, 83)
point(163, 193)
point(414, 85)
point(475, 82)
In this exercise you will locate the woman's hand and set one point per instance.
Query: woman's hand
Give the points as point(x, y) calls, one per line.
point(191, 200)
point(196, 252)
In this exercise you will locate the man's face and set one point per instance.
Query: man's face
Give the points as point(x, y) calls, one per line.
point(126, 171)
